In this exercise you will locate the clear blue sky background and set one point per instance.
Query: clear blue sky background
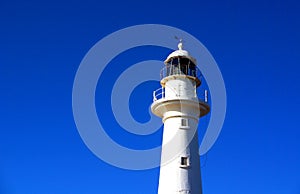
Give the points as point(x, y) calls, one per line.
point(255, 43)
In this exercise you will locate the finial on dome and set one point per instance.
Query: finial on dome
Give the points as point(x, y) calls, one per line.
point(180, 44)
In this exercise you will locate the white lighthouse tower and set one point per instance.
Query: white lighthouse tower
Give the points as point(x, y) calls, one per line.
point(180, 109)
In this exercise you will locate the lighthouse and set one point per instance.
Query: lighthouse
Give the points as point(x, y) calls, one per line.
point(177, 103)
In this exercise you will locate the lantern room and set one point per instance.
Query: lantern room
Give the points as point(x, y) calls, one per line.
point(180, 63)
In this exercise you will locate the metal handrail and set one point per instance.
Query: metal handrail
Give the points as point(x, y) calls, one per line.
point(160, 94)
point(169, 70)
point(203, 95)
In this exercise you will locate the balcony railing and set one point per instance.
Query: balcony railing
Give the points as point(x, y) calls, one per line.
point(160, 94)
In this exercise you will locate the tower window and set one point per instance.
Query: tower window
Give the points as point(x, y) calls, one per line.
point(184, 123)
point(184, 162)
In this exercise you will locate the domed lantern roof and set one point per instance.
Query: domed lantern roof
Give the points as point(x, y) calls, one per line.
point(180, 53)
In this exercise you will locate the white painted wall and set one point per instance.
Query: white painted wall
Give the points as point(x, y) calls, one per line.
point(180, 87)
point(173, 177)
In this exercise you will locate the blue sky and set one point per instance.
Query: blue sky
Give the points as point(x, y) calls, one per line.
point(255, 43)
